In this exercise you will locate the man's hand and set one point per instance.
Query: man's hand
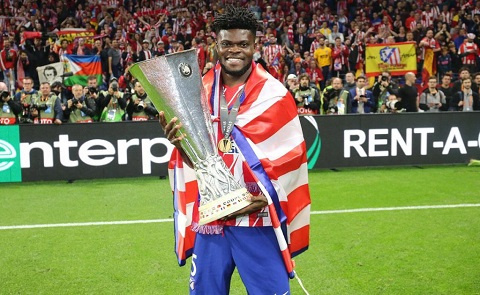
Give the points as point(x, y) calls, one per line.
point(258, 202)
point(170, 129)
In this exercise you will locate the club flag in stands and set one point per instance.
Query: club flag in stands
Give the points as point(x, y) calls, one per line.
point(80, 67)
point(396, 58)
point(50, 73)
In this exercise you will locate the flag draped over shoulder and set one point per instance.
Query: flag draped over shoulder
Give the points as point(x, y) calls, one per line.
point(81, 66)
point(275, 150)
point(396, 58)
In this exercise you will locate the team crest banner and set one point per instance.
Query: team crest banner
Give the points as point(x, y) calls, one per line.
point(396, 58)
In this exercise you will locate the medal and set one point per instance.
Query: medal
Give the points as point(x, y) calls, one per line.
point(225, 145)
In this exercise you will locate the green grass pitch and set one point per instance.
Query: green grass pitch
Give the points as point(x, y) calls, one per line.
point(428, 251)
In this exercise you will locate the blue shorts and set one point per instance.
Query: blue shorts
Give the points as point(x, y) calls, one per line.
point(253, 250)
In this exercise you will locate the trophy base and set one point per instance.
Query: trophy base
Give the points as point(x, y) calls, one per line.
point(223, 206)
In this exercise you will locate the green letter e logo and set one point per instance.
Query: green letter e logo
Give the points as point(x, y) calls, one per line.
point(10, 170)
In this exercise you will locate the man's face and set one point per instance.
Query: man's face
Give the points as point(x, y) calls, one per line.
point(304, 82)
point(6, 44)
point(139, 88)
point(349, 78)
point(429, 34)
point(477, 79)
point(446, 80)
point(235, 50)
point(77, 91)
point(92, 83)
point(45, 89)
point(464, 74)
point(337, 84)
point(360, 83)
point(432, 83)
point(467, 84)
point(27, 85)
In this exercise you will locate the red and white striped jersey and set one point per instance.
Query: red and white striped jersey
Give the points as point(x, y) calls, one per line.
point(428, 18)
point(447, 17)
point(271, 52)
point(431, 44)
point(469, 59)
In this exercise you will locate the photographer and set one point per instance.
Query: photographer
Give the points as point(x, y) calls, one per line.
point(25, 98)
point(93, 94)
point(9, 108)
point(383, 87)
point(79, 109)
point(432, 99)
point(307, 97)
point(334, 96)
point(113, 104)
point(140, 107)
point(46, 107)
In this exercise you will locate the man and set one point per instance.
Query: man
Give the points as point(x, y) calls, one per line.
point(382, 88)
point(361, 100)
point(145, 53)
point(466, 100)
point(46, 107)
point(113, 104)
point(446, 88)
point(349, 81)
point(340, 58)
point(79, 109)
point(428, 48)
point(236, 242)
point(409, 93)
point(323, 56)
point(463, 73)
point(114, 60)
point(140, 107)
point(25, 95)
point(307, 98)
point(468, 51)
point(432, 99)
point(9, 108)
point(333, 97)
point(8, 62)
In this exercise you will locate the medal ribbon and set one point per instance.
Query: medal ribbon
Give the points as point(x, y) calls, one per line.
point(228, 119)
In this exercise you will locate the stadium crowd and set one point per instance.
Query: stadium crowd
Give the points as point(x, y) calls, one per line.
point(316, 48)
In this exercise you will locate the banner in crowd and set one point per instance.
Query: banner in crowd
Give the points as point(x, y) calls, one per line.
point(71, 34)
point(396, 58)
point(50, 73)
point(80, 67)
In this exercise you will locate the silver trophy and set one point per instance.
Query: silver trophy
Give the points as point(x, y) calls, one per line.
point(174, 85)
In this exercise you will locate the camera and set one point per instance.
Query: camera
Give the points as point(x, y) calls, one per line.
point(4, 94)
point(392, 104)
point(140, 106)
point(74, 102)
point(92, 90)
point(39, 107)
point(384, 78)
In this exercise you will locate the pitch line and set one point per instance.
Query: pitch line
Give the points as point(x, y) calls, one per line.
point(30, 226)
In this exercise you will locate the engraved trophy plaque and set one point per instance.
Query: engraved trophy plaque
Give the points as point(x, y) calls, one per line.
point(174, 85)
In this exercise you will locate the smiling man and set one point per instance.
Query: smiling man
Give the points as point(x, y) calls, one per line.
point(266, 153)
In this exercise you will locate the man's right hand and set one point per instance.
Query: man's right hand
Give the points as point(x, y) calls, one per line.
point(170, 129)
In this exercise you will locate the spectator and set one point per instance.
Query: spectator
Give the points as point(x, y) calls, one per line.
point(307, 97)
point(8, 62)
point(323, 56)
point(9, 108)
point(292, 84)
point(349, 81)
point(432, 99)
point(468, 52)
point(79, 109)
point(81, 48)
point(340, 58)
point(145, 54)
point(315, 74)
point(465, 100)
point(463, 73)
point(361, 100)
point(409, 93)
point(114, 61)
point(447, 89)
point(46, 107)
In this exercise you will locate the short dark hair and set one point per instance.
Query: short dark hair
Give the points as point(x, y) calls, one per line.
point(235, 18)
